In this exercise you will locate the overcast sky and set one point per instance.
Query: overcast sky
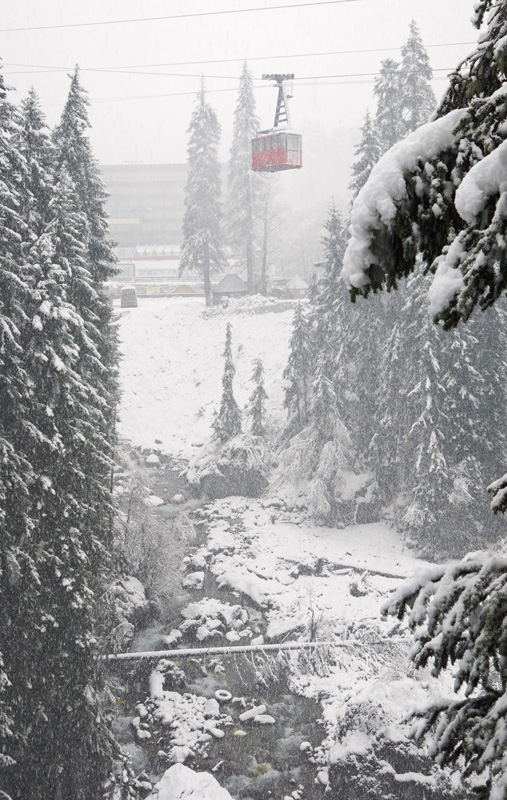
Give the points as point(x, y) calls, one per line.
point(144, 117)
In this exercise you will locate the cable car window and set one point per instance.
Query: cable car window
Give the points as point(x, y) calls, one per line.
point(282, 141)
point(292, 141)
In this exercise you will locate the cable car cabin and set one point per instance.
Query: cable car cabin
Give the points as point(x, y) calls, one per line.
point(275, 151)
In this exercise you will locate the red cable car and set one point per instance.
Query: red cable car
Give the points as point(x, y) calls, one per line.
point(278, 149)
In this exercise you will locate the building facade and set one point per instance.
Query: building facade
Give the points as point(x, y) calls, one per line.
point(145, 204)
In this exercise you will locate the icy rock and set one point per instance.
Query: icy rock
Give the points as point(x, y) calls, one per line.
point(217, 733)
point(153, 460)
point(179, 754)
point(141, 734)
point(142, 711)
point(232, 636)
point(323, 777)
point(211, 709)
point(194, 580)
point(252, 712)
point(239, 732)
point(182, 783)
point(264, 719)
point(178, 499)
point(304, 746)
point(153, 500)
point(257, 640)
point(173, 636)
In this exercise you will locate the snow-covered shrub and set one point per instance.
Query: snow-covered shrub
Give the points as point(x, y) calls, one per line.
point(325, 474)
point(238, 467)
point(373, 756)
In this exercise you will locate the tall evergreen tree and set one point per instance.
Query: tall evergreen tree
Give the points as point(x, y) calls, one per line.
point(368, 151)
point(227, 423)
point(16, 525)
point(454, 225)
point(202, 245)
point(417, 100)
point(34, 144)
point(244, 185)
point(298, 374)
point(439, 400)
point(257, 400)
point(388, 118)
point(58, 387)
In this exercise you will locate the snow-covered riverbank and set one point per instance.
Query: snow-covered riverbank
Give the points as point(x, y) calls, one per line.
point(286, 577)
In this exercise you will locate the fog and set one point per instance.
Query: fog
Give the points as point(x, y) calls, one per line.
point(142, 75)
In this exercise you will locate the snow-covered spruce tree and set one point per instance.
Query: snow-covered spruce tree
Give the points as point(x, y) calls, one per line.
point(388, 118)
point(244, 186)
point(16, 525)
point(202, 244)
point(257, 401)
point(59, 713)
point(227, 422)
point(440, 397)
point(75, 157)
point(298, 374)
point(417, 100)
point(457, 225)
point(67, 391)
point(368, 151)
point(34, 144)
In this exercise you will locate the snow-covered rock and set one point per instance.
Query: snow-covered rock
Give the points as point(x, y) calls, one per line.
point(153, 500)
point(182, 783)
point(153, 460)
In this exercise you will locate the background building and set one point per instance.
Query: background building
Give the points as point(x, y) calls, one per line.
point(145, 205)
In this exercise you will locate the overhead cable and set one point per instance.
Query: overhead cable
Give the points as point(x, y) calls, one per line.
point(177, 16)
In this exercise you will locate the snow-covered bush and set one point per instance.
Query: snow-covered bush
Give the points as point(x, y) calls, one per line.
point(326, 476)
point(238, 467)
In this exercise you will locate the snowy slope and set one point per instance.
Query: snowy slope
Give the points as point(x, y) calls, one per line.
point(172, 365)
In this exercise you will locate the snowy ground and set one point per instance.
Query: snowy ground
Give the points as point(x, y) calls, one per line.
point(172, 366)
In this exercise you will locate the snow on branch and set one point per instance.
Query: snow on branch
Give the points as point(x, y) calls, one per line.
point(377, 203)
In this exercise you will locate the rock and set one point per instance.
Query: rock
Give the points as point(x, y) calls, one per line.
point(178, 499)
point(153, 500)
point(153, 460)
point(264, 719)
point(212, 709)
point(194, 580)
point(180, 783)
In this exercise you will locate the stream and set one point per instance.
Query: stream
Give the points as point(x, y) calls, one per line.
point(232, 715)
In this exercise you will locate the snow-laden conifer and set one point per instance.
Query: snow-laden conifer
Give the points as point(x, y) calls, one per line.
point(16, 524)
point(257, 401)
point(417, 100)
point(75, 154)
point(227, 422)
point(244, 185)
point(202, 243)
point(439, 400)
point(453, 225)
point(34, 144)
point(298, 373)
point(388, 117)
point(368, 152)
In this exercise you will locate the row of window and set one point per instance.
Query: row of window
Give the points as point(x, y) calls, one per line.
point(278, 141)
